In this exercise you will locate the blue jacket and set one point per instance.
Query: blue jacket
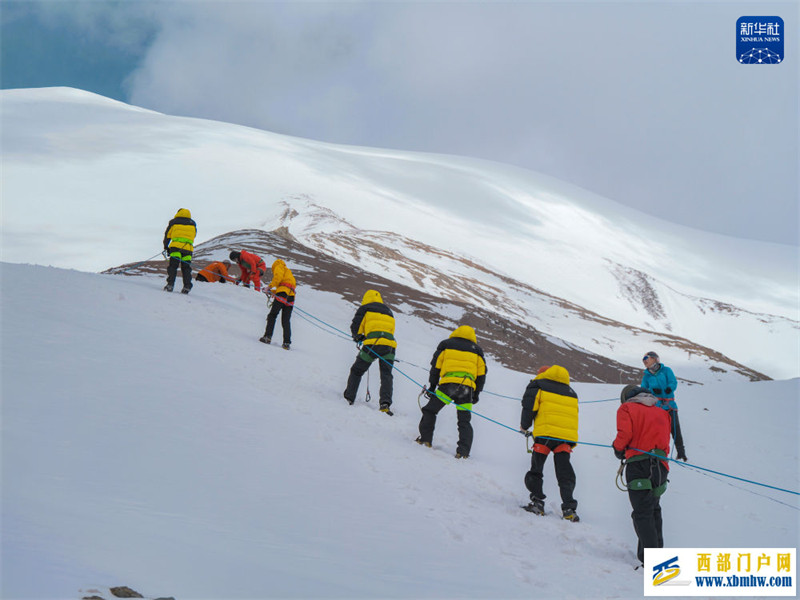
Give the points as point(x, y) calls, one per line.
point(662, 385)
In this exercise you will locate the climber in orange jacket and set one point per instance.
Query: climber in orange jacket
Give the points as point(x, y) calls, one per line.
point(216, 271)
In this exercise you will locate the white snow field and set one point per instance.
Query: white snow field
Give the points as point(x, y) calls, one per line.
point(150, 440)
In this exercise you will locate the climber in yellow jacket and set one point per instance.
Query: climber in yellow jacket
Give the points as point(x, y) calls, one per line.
point(178, 246)
point(373, 329)
point(551, 406)
point(282, 288)
point(458, 370)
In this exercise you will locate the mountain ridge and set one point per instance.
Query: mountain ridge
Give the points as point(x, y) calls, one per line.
point(509, 339)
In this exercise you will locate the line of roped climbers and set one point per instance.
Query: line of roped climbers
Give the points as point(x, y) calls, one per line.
point(646, 418)
point(333, 330)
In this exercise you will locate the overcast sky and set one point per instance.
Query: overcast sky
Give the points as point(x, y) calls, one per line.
point(641, 102)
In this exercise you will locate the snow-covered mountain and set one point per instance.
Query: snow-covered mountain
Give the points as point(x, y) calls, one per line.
point(505, 325)
point(534, 249)
point(149, 440)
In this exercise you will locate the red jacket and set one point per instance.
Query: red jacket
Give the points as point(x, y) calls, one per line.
point(251, 262)
point(642, 427)
point(252, 268)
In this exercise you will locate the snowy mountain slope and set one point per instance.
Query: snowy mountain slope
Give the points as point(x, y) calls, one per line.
point(149, 440)
point(505, 326)
point(130, 169)
point(465, 280)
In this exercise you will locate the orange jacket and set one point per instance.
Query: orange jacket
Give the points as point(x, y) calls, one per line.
point(214, 272)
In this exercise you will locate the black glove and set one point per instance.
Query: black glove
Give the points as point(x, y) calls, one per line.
point(657, 391)
point(475, 397)
point(682, 455)
point(431, 393)
point(620, 454)
point(668, 390)
point(359, 338)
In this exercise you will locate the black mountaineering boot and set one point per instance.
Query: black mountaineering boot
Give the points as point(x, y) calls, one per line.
point(569, 514)
point(535, 506)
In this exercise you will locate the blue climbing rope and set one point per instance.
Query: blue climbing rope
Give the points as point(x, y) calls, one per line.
point(139, 264)
point(516, 430)
point(345, 335)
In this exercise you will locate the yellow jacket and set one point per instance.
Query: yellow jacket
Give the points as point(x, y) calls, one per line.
point(374, 321)
point(282, 279)
point(180, 234)
point(552, 405)
point(459, 359)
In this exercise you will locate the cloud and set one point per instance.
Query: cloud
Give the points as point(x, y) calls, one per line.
point(640, 102)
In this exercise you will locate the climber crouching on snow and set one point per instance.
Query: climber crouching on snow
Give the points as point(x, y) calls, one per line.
point(642, 442)
point(551, 406)
point(216, 271)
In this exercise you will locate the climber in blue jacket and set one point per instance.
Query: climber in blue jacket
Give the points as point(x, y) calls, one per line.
point(660, 381)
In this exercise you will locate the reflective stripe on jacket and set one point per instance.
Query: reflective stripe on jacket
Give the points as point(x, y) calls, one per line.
point(459, 359)
point(179, 235)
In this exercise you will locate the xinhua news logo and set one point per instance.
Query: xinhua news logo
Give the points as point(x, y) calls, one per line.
point(759, 40)
point(720, 572)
